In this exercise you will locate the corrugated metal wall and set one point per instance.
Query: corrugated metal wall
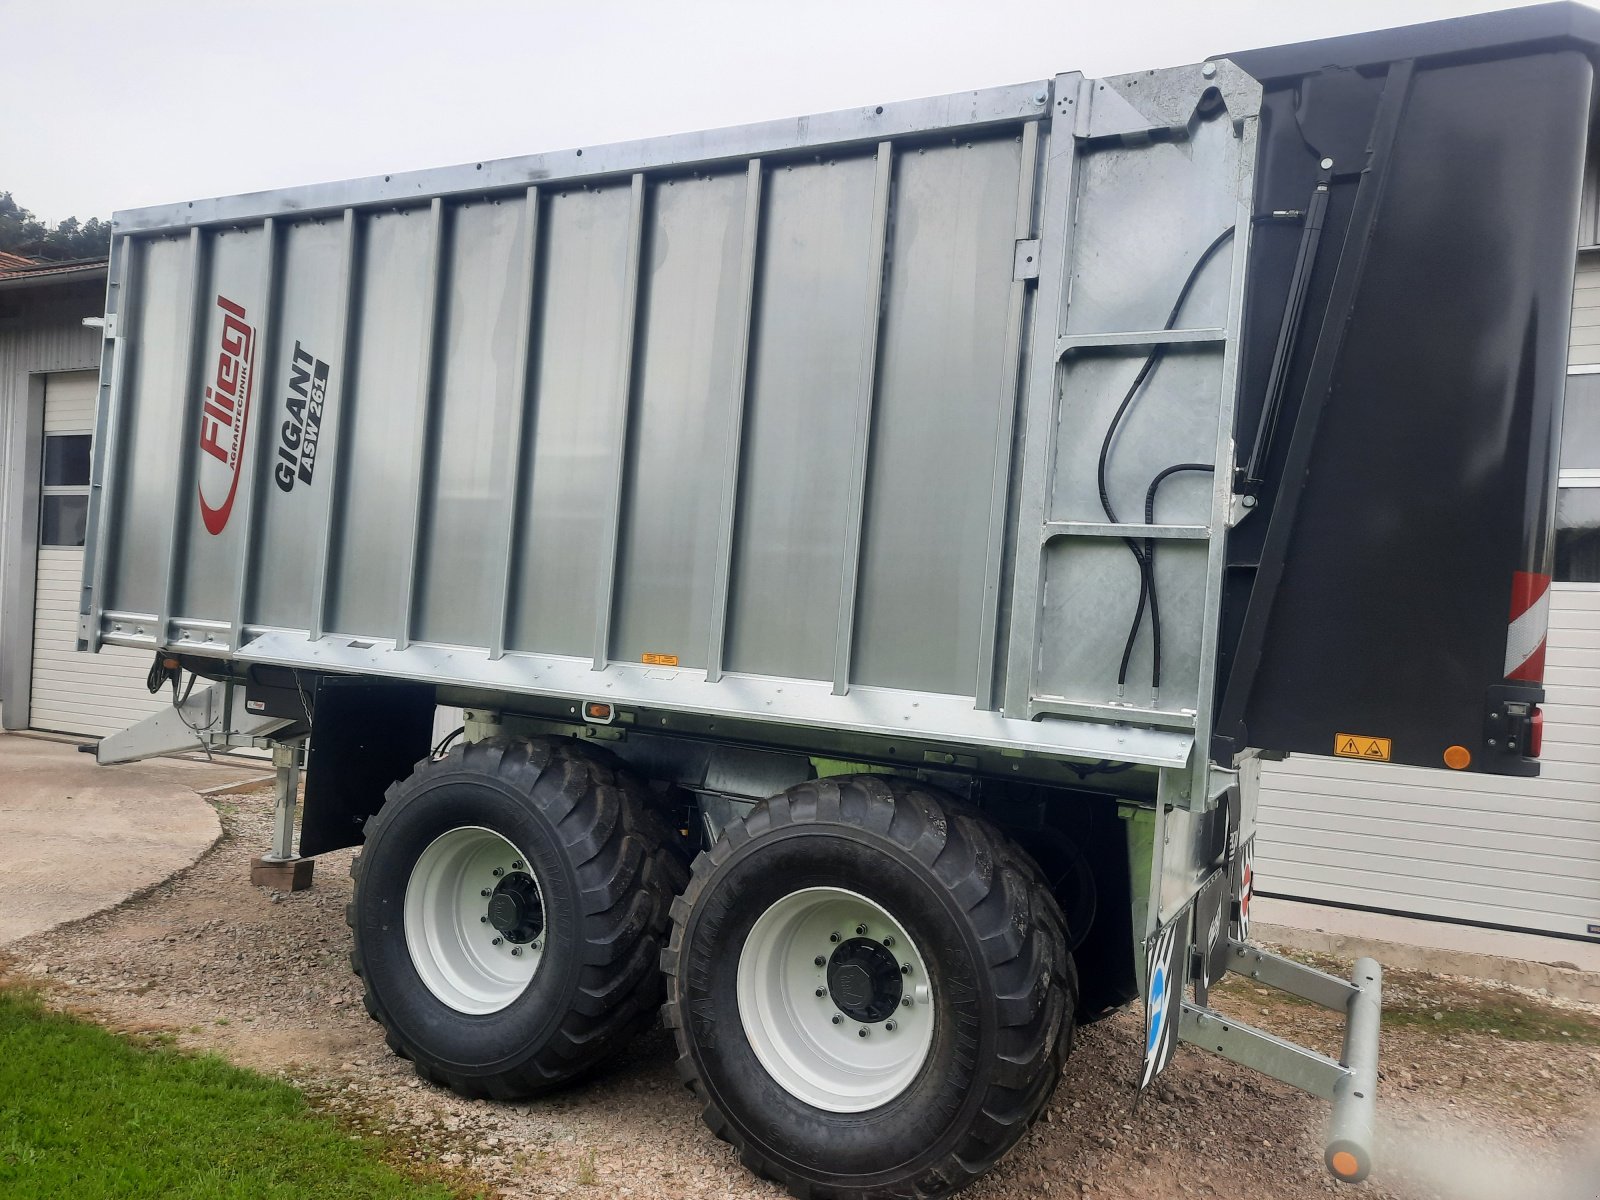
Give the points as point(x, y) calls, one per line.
point(1584, 349)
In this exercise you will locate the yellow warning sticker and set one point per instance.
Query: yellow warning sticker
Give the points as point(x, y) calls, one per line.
point(671, 660)
point(1355, 745)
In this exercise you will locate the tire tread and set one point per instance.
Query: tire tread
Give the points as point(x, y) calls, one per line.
point(630, 867)
point(1018, 924)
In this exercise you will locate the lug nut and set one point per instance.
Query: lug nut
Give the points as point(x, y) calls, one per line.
point(497, 941)
point(889, 1025)
point(486, 892)
point(837, 1018)
point(833, 937)
point(516, 866)
point(862, 1032)
point(484, 920)
point(516, 951)
point(820, 961)
point(499, 871)
point(906, 969)
point(888, 941)
point(861, 930)
point(905, 1001)
point(822, 991)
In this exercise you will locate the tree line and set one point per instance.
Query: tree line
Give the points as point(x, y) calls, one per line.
point(23, 233)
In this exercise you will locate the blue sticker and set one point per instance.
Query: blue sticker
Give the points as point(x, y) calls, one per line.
point(1158, 1006)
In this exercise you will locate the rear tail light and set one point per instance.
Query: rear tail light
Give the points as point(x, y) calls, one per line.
point(1536, 733)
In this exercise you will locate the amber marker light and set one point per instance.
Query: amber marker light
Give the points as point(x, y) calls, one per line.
point(1345, 1165)
point(1457, 758)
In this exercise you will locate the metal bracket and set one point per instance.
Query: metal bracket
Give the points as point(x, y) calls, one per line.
point(1351, 1082)
point(1261, 1051)
point(1286, 975)
point(1026, 264)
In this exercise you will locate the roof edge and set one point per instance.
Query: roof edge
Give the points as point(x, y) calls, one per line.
point(77, 273)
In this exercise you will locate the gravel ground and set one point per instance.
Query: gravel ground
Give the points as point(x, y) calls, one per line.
point(263, 979)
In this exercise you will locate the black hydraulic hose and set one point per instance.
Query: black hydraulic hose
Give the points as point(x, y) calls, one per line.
point(1150, 565)
point(1104, 767)
point(1146, 579)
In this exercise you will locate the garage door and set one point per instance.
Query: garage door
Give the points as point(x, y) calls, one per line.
point(75, 693)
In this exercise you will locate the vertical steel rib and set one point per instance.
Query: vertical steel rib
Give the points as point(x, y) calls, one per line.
point(1005, 430)
point(1222, 464)
point(349, 300)
point(188, 426)
point(523, 419)
point(422, 452)
point(1069, 114)
point(737, 399)
point(611, 528)
point(115, 352)
point(861, 439)
point(264, 386)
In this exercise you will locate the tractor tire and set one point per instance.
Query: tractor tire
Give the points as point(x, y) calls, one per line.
point(511, 902)
point(870, 990)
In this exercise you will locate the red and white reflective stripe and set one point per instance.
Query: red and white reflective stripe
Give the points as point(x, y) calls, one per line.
point(1530, 623)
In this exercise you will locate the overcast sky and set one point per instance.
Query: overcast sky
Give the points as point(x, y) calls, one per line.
point(112, 105)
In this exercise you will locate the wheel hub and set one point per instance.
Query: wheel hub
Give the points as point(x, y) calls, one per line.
point(864, 981)
point(474, 920)
point(515, 909)
point(835, 1000)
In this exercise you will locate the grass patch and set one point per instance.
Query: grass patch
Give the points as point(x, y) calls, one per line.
point(1428, 1004)
point(1494, 1017)
point(86, 1113)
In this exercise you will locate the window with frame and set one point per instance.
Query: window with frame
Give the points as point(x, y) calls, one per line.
point(64, 500)
point(1578, 482)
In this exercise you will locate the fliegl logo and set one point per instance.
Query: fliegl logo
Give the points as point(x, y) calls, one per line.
point(225, 416)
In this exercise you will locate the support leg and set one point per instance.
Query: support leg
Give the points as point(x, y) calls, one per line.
point(281, 868)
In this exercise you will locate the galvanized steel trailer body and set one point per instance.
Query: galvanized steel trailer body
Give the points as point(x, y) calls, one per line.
point(826, 438)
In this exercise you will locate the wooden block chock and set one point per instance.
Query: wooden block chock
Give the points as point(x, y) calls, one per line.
point(287, 875)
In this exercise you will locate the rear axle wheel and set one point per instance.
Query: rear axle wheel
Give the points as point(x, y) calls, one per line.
point(870, 990)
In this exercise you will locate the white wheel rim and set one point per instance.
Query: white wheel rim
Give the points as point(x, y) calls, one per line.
point(788, 1007)
point(461, 884)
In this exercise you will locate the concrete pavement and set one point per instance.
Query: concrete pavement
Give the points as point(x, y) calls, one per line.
point(1562, 967)
point(76, 838)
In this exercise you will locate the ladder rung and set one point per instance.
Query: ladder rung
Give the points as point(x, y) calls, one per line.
point(1193, 533)
point(1138, 339)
